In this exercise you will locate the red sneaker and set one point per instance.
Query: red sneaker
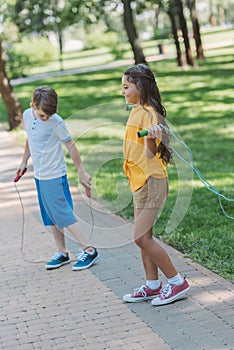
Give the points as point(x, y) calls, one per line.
point(142, 293)
point(170, 293)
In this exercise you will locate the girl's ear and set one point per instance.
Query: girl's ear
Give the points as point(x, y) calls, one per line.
point(32, 105)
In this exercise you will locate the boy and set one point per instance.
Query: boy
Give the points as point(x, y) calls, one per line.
point(46, 131)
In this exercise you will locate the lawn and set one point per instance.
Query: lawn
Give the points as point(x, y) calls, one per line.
point(199, 105)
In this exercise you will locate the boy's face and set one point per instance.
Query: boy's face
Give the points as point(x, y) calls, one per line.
point(39, 113)
point(130, 91)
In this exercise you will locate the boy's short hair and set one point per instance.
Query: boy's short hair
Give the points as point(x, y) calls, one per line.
point(46, 99)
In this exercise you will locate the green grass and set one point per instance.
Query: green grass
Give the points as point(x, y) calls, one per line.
point(84, 58)
point(199, 104)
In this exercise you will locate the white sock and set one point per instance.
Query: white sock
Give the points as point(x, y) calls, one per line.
point(177, 280)
point(153, 284)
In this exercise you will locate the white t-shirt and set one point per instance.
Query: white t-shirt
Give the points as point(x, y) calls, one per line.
point(45, 142)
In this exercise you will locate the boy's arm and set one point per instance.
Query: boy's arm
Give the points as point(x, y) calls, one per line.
point(25, 159)
point(84, 178)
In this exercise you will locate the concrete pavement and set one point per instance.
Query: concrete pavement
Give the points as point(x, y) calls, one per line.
point(63, 309)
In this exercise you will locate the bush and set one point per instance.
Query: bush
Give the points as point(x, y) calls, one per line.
point(111, 40)
point(29, 52)
point(163, 33)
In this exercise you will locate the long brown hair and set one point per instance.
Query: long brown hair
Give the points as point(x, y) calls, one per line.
point(142, 76)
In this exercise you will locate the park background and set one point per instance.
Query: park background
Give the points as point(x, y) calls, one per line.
point(81, 48)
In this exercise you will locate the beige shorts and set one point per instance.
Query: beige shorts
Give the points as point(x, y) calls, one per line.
point(152, 195)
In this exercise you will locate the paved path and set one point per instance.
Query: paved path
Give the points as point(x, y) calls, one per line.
point(63, 309)
point(108, 65)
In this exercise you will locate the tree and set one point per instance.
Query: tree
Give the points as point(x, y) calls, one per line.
point(10, 100)
point(172, 17)
point(174, 9)
point(132, 34)
point(41, 17)
point(184, 29)
point(191, 4)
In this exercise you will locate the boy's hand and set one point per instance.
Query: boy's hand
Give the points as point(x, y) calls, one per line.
point(85, 180)
point(20, 172)
point(155, 132)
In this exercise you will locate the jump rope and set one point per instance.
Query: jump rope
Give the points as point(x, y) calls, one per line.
point(192, 165)
point(141, 133)
point(16, 179)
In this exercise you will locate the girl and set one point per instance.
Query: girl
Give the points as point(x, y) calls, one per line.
point(145, 165)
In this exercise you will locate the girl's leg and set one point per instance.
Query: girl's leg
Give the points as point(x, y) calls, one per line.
point(154, 255)
point(151, 270)
point(59, 239)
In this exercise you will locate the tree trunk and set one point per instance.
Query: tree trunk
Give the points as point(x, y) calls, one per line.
point(10, 100)
point(196, 29)
point(212, 18)
point(184, 28)
point(132, 34)
point(221, 15)
point(60, 39)
point(172, 15)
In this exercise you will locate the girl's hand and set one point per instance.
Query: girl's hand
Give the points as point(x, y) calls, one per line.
point(155, 132)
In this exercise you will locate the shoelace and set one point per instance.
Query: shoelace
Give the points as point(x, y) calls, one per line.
point(57, 256)
point(79, 254)
point(141, 289)
point(82, 255)
point(166, 291)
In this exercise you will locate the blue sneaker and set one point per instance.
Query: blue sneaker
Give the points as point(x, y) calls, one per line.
point(58, 260)
point(85, 260)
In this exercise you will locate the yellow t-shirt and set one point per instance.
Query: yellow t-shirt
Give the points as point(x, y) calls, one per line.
point(137, 166)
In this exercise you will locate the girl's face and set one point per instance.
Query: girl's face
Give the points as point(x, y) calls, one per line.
point(130, 91)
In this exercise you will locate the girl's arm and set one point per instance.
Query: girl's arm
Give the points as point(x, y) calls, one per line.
point(84, 178)
point(25, 159)
point(154, 132)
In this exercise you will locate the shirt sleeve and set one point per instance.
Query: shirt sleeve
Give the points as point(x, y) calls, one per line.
point(62, 132)
point(27, 115)
point(149, 119)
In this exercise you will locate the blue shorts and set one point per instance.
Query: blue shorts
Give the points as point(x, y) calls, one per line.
point(55, 202)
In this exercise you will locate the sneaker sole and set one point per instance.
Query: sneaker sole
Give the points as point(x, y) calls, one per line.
point(170, 300)
point(87, 266)
point(51, 267)
point(135, 300)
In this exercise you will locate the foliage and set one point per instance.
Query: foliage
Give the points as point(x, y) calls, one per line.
point(163, 33)
point(37, 16)
point(108, 39)
point(31, 51)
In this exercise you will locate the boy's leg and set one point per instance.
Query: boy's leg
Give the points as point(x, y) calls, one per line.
point(89, 255)
point(78, 233)
point(59, 239)
point(61, 257)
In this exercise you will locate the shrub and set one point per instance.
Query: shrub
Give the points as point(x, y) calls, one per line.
point(34, 51)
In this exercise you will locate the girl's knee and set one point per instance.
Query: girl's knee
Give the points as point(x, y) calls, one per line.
point(142, 241)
